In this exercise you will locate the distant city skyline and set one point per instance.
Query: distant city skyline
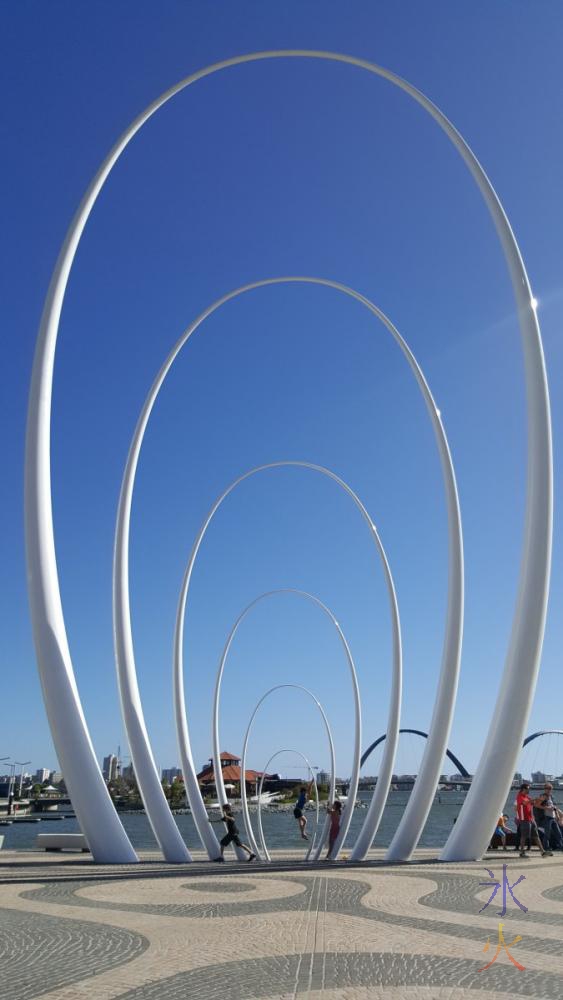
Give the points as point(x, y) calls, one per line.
point(110, 770)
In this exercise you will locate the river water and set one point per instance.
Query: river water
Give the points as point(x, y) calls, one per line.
point(280, 828)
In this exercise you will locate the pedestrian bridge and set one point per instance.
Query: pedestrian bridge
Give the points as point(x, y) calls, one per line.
point(465, 776)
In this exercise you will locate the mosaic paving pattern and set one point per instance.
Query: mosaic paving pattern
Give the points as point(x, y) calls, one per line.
point(225, 886)
point(298, 974)
point(299, 932)
point(556, 892)
point(38, 952)
point(456, 893)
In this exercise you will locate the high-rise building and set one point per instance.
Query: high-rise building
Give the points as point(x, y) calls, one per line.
point(538, 777)
point(41, 775)
point(518, 777)
point(55, 777)
point(170, 773)
point(109, 769)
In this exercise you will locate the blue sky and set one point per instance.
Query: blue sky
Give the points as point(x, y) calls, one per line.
point(290, 167)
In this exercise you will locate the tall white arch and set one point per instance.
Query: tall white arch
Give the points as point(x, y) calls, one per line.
point(74, 749)
point(412, 822)
point(192, 788)
point(245, 812)
point(264, 849)
point(355, 775)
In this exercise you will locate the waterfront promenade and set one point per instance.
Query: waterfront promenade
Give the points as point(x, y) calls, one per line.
point(76, 930)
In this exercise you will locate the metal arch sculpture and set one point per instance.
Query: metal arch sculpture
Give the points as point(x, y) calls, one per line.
point(265, 851)
point(219, 785)
point(72, 741)
point(245, 812)
point(418, 732)
point(197, 807)
point(414, 817)
point(542, 732)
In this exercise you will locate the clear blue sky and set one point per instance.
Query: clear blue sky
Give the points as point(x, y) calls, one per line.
point(282, 168)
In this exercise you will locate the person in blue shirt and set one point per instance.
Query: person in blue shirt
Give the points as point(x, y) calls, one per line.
point(300, 806)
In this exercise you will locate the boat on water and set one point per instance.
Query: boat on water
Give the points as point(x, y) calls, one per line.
point(265, 799)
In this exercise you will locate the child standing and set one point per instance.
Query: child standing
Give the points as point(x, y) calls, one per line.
point(335, 813)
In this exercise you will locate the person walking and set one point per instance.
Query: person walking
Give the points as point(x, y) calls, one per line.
point(526, 822)
point(550, 825)
point(300, 806)
point(335, 813)
point(232, 834)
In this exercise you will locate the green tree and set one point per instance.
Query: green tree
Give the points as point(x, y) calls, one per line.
point(177, 794)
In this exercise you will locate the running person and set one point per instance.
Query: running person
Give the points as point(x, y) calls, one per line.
point(232, 834)
point(299, 807)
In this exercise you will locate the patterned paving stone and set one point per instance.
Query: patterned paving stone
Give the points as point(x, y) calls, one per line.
point(342, 896)
point(297, 974)
point(226, 885)
point(40, 953)
point(294, 943)
point(556, 892)
point(458, 894)
point(67, 893)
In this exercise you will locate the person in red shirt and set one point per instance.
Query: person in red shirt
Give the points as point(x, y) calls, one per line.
point(526, 823)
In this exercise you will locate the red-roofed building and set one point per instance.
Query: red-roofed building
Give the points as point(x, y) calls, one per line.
point(230, 769)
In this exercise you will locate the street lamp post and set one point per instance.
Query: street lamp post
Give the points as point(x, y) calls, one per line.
point(11, 786)
point(2, 759)
point(22, 764)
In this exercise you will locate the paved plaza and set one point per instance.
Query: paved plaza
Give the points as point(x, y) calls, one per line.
point(71, 929)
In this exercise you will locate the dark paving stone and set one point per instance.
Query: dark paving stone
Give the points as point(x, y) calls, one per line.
point(556, 893)
point(226, 885)
point(39, 953)
point(269, 977)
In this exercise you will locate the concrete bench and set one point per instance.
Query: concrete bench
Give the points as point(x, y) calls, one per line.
point(62, 842)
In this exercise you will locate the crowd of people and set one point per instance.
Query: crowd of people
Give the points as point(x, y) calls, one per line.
point(539, 821)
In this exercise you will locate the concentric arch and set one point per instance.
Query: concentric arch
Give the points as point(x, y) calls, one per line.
point(72, 741)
